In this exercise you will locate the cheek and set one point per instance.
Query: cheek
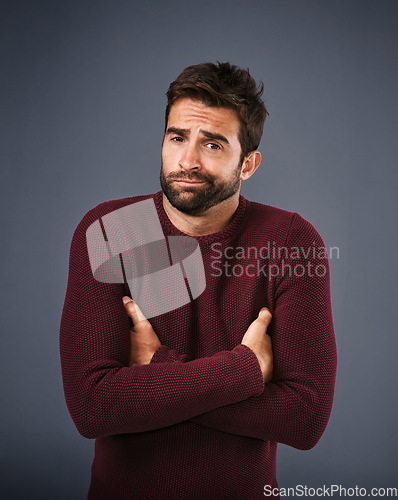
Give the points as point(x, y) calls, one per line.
point(168, 155)
point(166, 160)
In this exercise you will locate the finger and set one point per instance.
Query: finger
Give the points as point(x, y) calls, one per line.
point(133, 310)
point(265, 314)
point(140, 315)
point(130, 308)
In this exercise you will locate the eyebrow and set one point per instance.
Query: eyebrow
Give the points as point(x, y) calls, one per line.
point(210, 135)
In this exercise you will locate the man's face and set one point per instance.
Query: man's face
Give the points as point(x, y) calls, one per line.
point(201, 156)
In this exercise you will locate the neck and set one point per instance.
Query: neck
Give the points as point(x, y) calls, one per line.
point(215, 219)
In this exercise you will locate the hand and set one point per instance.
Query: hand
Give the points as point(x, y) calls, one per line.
point(144, 341)
point(260, 343)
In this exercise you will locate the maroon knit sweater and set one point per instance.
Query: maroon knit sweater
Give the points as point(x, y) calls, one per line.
point(198, 423)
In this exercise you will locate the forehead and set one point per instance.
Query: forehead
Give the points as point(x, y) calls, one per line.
point(189, 114)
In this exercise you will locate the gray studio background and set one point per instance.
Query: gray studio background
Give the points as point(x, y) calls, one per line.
point(82, 106)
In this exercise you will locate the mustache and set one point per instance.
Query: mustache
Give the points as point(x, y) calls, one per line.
point(190, 176)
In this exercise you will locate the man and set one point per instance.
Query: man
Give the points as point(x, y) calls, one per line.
point(191, 403)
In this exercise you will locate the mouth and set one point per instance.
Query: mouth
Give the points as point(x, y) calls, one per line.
point(189, 183)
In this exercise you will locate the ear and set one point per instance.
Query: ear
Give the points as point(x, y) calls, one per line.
point(250, 164)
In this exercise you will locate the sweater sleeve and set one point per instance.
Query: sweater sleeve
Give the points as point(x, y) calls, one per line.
point(105, 396)
point(294, 408)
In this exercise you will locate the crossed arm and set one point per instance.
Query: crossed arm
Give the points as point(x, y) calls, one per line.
point(144, 342)
point(294, 408)
point(116, 382)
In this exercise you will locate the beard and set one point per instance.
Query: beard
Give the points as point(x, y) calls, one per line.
point(196, 200)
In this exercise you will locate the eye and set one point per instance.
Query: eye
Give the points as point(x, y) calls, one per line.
point(176, 138)
point(213, 146)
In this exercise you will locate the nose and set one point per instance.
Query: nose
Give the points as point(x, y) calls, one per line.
point(190, 158)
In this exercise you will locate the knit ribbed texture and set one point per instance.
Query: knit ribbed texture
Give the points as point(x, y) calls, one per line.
point(198, 422)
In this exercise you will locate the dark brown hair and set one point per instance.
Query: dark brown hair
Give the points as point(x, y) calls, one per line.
point(228, 86)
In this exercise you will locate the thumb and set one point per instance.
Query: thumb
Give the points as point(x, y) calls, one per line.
point(266, 315)
point(133, 310)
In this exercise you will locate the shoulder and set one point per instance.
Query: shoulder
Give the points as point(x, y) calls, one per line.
point(89, 244)
point(104, 209)
point(280, 225)
point(110, 206)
